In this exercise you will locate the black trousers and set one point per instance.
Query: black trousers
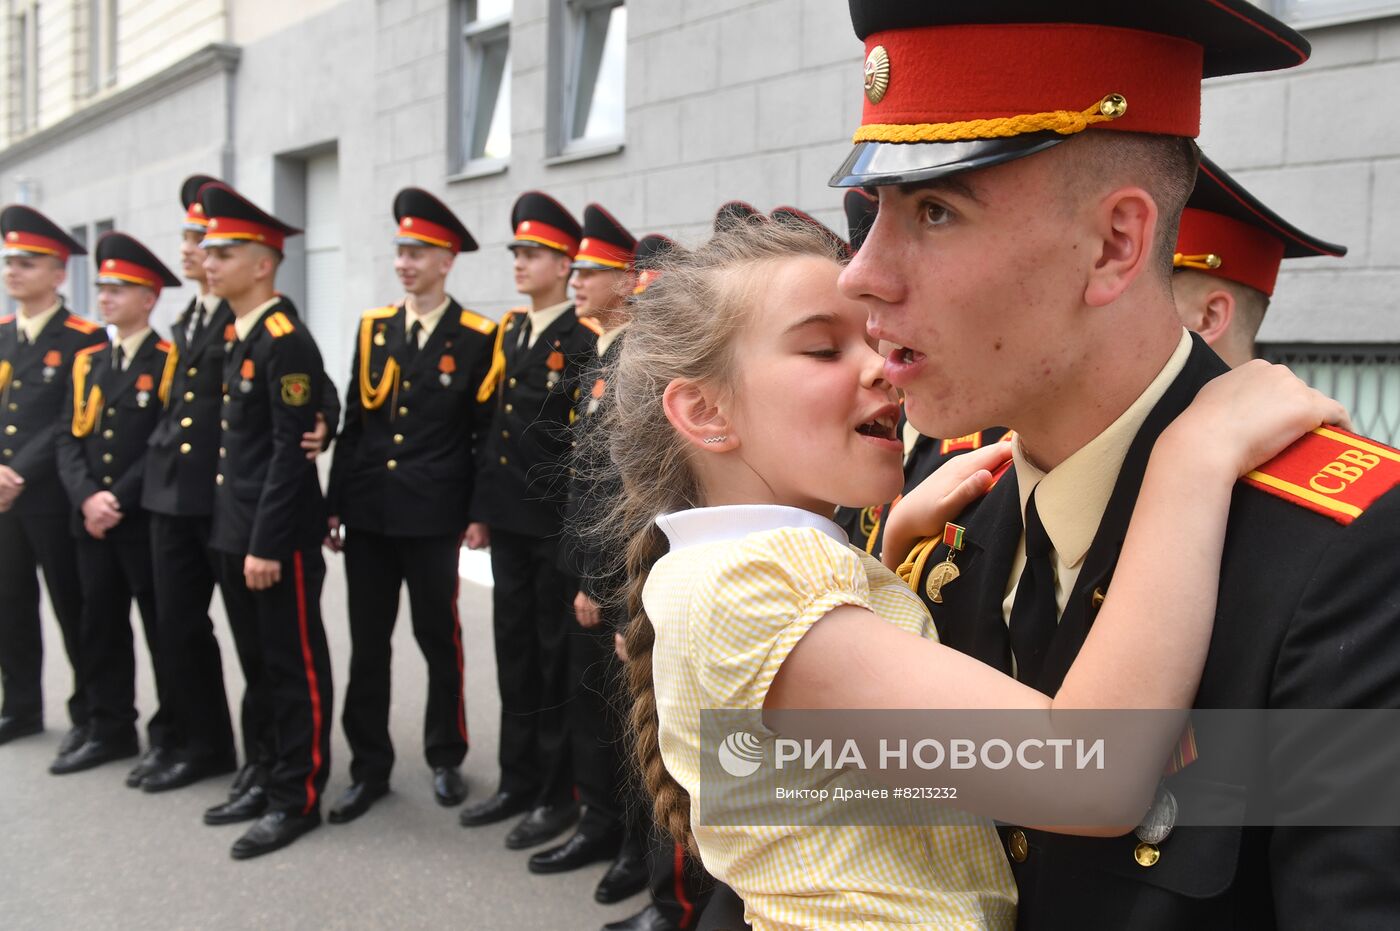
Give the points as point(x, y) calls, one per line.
point(596, 730)
point(533, 610)
point(115, 571)
point(185, 571)
point(28, 543)
point(281, 641)
point(724, 911)
point(376, 566)
point(680, 887)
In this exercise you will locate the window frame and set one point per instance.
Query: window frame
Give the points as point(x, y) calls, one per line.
point(1383, 424)
point(567, 36)
point(466, 69)
point(1296, 13)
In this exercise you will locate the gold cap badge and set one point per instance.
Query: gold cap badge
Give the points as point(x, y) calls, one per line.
point(877, 74)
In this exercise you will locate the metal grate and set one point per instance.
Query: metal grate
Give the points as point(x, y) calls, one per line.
point(1364, 378)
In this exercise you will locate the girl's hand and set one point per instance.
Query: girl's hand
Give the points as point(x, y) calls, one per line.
point(1248, 416)
point(940, 498)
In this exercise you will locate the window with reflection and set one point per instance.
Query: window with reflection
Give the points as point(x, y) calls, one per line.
point(481, 130)
point(594, 91)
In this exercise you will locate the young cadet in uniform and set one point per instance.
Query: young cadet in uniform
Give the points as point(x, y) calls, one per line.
point(269, 519)
point(521, 489)
point(401, 484)
point(1001, 293)
point(603, 280)
point(1227, 259)
point(677, 885)
point(37, 347)
point(113, 402)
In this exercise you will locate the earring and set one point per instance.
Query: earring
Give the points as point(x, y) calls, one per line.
point(716, 439)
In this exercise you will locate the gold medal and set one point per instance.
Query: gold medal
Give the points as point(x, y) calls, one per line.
point(379, 338)
point(945, 572)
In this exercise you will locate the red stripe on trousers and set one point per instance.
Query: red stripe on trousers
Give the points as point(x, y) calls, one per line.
point(311, 686)
point(461, 662)
point(680, 888)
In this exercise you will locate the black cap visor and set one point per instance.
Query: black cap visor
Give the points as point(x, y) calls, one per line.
point(878, 163)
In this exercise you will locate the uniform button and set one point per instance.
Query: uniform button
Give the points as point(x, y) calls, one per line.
point(11, 430)
point(392, 464)
point(17, 383)
point(111, 412)
point(407, 385)
point(398, 439)
point(1017, 845)
point(1147, 855)
point(512, 382)
point(106, 479)
point(185, 449)
point(223, 452)
point(107, 434)
point(189, 396)
point(14, 406)
point(219, 479)
point(503, 460)
point(187, 422)
point(192, 372)
point(223, 425)
point(106, 457)
point(505, 434)
point(403, 412)
point(509, 408)
point(9, 452)
point(226, 399)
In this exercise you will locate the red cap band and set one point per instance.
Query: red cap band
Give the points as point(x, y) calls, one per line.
point(429, 233)
point(964, 73)
point(130, 273)
point(33, 242)
point(231, 228)
point(1247, 254)
point(195, 216)
point(546, 235)
point(603, 253)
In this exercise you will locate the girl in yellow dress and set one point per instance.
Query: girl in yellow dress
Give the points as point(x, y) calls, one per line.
point(750, 402)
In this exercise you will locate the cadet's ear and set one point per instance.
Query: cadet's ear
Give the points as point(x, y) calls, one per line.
point(1125, 224)
point(696, 415)
point(1217, 312)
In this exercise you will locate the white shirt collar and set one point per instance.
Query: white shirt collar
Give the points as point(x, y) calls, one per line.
point(427, 321)
point(132, 344)
point(608, 338)
point(243, 326)
point(540, 320)
point(33, 326)
point(210, 302)
point(697, 526)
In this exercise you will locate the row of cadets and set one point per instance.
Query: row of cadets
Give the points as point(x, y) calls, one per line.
point(112, 404)
point(401, 494)
point(538, 361)
point(268, 523)
point(37, 348)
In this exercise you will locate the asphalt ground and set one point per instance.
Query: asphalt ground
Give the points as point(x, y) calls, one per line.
point(83, 851)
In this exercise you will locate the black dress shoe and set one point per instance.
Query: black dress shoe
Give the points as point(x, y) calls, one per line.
point(94, 753)
point(578, 851)
point(498, 807)
point(625, 878)
point(75, 738)
point(542, 824)
point(448, 786)
point(176, 774)
point(273, 831)
point(356, 801)
point(154, 759)
point(648, 919)
point(12, 728)
point(246, 807)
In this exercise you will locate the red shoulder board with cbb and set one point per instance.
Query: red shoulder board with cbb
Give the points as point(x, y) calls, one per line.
point(1330, 471)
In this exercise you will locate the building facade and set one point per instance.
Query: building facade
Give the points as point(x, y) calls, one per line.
point(661, 109)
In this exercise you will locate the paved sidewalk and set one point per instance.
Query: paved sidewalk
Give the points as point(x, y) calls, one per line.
point(84, 851)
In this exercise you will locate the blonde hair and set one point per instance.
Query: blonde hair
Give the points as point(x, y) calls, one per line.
point(683, 326)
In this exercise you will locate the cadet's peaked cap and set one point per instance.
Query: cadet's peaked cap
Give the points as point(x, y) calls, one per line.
point(650, 260)
point(1227, 232)
point(606, 243)
point(426, 221)
point(735, 212)
point(195, 220)
point(861, 207)
point(540, 221)
point(121, 259)
point(951, 87)
point(234, 220)
point(802, 219)
point(29, 232)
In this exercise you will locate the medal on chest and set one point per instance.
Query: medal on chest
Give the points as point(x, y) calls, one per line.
point(379, 335)
point(246, 373)
point(446, 366)
point(230, 334)
point(52, 360)
point(946, 571)
point(595, 398)
point(555, 364)
point(144, 384)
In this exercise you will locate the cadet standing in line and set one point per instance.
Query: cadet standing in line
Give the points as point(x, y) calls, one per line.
point(537, 366)
point(400, 487)
point(1228, 252)
point(112, 406)
point(37, 348)
point(603, 281)
point(269, 518)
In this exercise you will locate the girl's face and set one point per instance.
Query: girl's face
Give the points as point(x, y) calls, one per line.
point(814, 416)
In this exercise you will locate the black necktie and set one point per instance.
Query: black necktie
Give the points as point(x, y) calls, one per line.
point(523, 340)
point(412, 346)
point(1034, 613)
point(118, 357)
point(196, 324)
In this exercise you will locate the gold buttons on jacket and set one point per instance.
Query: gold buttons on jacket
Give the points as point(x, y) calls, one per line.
point(505, 434)
point(223, 453)
point(392, 464)
point(503, 460)
point(223, 425)
point(219, 479)
point(9, 453)
point(11, 430)
point(407, 385)
point(16, 384)
point(108, 434)
point(1017, 845)
point(106, 457)
point(1147, 855)
point(111, 412)
point(403, 412)
point(509, 408)
point(192, 372)
point(187, 422)
point(106, 479)
point(14, 406)
point(185, 449)
point(398, 439)
point(189, 396)
point(511, 383)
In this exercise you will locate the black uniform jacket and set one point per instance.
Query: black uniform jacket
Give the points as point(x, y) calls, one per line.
point(522, 485)
point(108, 452)
point(184, 455)
point(593, 488)
point(268, 498)
point(405, 468)
point(1307, 617)
point(33, 380)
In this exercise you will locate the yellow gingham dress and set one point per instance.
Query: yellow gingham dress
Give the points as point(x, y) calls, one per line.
point(737, 591)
